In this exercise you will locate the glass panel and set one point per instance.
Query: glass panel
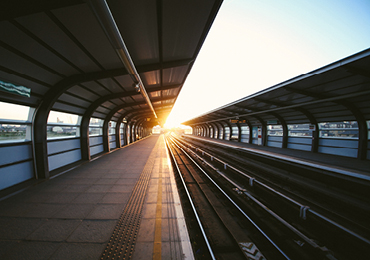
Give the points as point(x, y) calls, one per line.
point(338, 125)
point(339, 134)
point(345, 129)
point(96, 122)
point(245, 129)
point(255, 132)
point(112, 127)
point(95, 131)
point(63, 118)
point(62, 131)
point(235, 133)
point(275, 130)
point(13, 111)
point(12, 132)
point(299, 130)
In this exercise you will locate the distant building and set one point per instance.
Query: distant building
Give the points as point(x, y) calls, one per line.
point(157, 130)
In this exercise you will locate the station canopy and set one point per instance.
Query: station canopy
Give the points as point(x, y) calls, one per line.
point(335, 93)
point(74, 56)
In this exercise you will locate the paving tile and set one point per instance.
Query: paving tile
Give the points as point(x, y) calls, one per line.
point(43, 210)
point(15, 209)
point(79, 223)
point(136, 168)
point(107, 181)
point(117, 171)
point(76, 187)
point(114, 175)
point(5, 246)
point(93, 166)
point(153, 188)
point(146, 231)
point(93, 231)
point(74, 211)
point(51, 187)
point(171, 250)
point(167, 196)
point(153, 181)
point(116, 197)
point(99, 188)
point(88, 198)
point(92, 174)
point(38, 197)
point(127, 181)
point(31, 250)
point(170, 230)
point(106, 211)
point(85, 181)
point(168, 210)
point(134, 175)
point(78, 251)
point(122, 188)
point(62, 181)
point(61, 197)
point(18, 228)
point(54, 230)
point(151, 197)
point(143, 251)
point(74, 175)
point(149, 211)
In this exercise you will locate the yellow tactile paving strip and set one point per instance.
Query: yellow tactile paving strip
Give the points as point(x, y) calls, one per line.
point(122, 242)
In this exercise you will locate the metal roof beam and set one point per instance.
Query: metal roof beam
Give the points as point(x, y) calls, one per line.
point(329, 99)
point(103, 14)
point(358, 71)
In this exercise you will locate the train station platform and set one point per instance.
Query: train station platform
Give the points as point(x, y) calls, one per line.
point(121, 205)
point(339, 164)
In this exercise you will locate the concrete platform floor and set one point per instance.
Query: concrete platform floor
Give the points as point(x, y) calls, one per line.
point(72, 216)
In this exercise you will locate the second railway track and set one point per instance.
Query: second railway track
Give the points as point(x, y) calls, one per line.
point(274, 230)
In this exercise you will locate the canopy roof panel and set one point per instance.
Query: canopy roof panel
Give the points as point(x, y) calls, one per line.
point(60, 51)
point(337, 92)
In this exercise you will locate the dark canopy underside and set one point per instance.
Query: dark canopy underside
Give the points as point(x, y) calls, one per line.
point(59, 50)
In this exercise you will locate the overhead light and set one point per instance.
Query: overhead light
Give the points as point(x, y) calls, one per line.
point(137, 87)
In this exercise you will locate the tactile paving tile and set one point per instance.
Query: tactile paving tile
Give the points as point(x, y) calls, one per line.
point(122, 242)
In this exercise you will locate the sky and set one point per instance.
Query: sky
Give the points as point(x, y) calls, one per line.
point(255, 44)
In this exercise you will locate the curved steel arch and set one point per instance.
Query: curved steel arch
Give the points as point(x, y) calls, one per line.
point(84, 131)
point(355, 111)
point(113, 111)
point(43, 109)
point(141, 115)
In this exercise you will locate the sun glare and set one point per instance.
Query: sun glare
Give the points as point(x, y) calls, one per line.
point(172, 122)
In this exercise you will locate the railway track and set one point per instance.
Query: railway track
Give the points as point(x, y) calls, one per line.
point(342, 200)
point(233, 223)
point(333, 234)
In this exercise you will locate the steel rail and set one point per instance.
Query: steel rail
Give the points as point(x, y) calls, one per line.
point(346, 173)
point(237, 207)
point(192, 204)
point(307, 208)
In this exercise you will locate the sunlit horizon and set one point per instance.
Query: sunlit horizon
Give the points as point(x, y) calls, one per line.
point(253, 45)
point(174, 124)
